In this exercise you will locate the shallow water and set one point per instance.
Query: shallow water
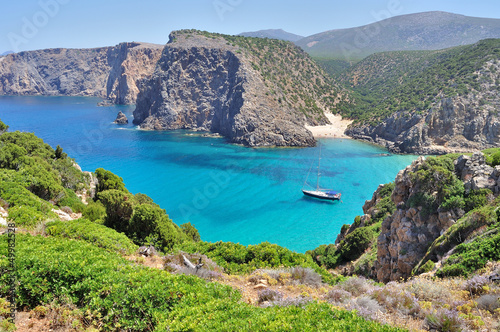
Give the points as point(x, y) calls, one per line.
point(229, 192)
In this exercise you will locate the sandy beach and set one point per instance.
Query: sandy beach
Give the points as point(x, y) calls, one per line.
point(335, 130)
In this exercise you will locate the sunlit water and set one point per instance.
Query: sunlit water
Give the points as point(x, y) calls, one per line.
point(229, 192)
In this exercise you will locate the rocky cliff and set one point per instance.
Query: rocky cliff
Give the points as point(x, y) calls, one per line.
point(107, 72)
point(431, 103)
point(252, 91)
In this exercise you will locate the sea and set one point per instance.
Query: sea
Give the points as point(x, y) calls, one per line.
point(229, 192)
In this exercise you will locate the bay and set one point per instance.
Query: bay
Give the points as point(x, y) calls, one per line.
point(229, 192)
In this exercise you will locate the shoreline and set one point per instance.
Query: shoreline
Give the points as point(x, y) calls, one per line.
point(336, 129)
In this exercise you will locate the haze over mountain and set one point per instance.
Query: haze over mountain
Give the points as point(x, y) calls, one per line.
point(422, 31)
point(273, 34)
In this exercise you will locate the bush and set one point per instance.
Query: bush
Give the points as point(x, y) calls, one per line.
point(96, 234)
point(119, 208)
point(236, 258)
point(269, 295)
point(476, 285)
point(25, 216)
point(71, 200)
point(94, 211)
point(444, 320)
point(355, 243)
point(490, 302)
point(108, 181)
point(191, 232)
point(149, 220)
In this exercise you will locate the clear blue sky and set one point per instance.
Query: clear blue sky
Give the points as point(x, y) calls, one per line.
point(38, 24)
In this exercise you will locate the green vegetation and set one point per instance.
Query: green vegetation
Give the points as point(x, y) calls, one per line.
point(412, 81)
point(109, 292)
point(237, 258)
point(354, 244)
point(99, 235)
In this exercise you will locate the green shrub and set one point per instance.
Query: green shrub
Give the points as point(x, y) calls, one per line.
point(94, 211)
point(191, 232)
point(3, 127)
point(108, 181)
point(471, 256)
point(119, 208)
point(26, 216)
point(96, 234)
point(149, 220)
point(355, 243)
point(71, 200)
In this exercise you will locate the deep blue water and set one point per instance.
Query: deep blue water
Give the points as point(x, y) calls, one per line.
point(229, 192)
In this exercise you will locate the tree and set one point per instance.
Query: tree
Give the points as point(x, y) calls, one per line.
point(191, 231)
point(107, 181)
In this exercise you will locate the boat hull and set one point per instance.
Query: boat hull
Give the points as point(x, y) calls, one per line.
point(321, 195)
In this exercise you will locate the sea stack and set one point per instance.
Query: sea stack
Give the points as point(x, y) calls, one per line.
point(121, 118)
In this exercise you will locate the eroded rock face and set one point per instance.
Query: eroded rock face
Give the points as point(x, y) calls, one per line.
point(107, 72)
point(459, 124)
point(407, 234)
point(206, 84)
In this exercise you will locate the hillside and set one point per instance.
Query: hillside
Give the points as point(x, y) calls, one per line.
point(272, 34)
point(428, 101)
point(107, 72)
point(253, 91)
point(421, 31)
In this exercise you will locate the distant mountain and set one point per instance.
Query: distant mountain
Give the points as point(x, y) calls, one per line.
point(6, 53)
point(273, 34)
point(422, 31)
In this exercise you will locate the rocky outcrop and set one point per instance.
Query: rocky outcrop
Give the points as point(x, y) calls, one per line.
point(407, 234)
point(209, 84)
point(457, 124)
point(121, 118)
point(107, 72)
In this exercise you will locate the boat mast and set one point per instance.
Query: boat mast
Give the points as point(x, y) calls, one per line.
point(319, 164)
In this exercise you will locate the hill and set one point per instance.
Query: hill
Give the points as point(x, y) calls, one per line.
point(421, 31)
point(254, 91)
point(428, 101)
point(107, 72)
point(273, 34)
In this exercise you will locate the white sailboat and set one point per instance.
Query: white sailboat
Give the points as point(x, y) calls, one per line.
point(326, 194)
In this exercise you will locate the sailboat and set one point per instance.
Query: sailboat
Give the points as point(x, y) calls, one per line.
point(326, 194)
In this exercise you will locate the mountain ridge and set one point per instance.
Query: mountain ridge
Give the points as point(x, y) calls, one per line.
point(419, 31)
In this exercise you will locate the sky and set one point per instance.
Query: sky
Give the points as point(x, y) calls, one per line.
point(39, 24)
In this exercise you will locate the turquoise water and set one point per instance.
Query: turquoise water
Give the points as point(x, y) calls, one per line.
point(228, 192)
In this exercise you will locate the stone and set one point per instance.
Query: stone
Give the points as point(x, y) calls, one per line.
point(107, 72)
point(206, 84)
point(260, 286)
point(121, 118)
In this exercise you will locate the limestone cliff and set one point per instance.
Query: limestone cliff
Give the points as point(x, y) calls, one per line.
point(220, 84)
point(106, 72)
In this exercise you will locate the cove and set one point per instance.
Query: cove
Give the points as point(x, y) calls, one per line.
point(229, 192)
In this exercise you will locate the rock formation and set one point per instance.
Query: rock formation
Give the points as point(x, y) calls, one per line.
point(107, 72)
point(407, 234)
point(455, 124)
point(121, 118)
point(207, 83)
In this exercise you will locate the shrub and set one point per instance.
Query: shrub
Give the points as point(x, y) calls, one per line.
point(25, 216)
point(269, 295)
point(476, 284)
point(356, 286)
point(444, 320)
point(191, 232)
point(108, 181)
point(355, 243)
point(71, 200)
point(90, 232)
point(94, 211)
point(149, 220)
point(3, 127)
point(490, 302)
point(338, 295)
point(119, 208)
